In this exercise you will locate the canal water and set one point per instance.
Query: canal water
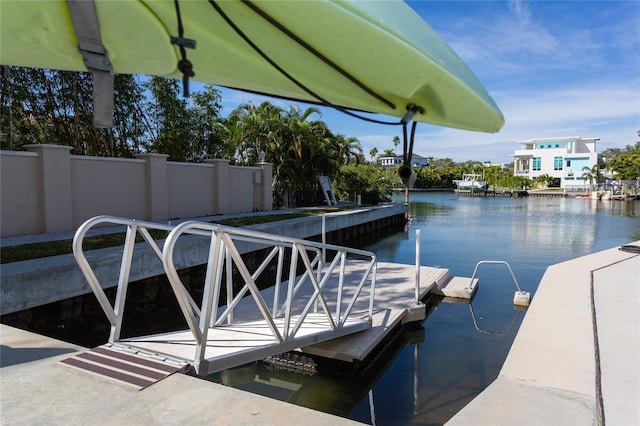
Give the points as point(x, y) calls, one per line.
point(429, 372)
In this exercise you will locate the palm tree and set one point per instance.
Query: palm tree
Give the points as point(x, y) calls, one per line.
point(396, 142)
point(591, 174)
point(348, 149)
point(544, 180)
point(373, 153)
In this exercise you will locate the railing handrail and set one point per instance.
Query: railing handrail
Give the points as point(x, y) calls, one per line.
point(222, 254)
point(496, 262)
point(133, 226)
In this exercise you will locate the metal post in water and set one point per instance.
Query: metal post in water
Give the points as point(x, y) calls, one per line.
point(417, 266)
point(416, 376)
point(324, 238)
point(372, 410)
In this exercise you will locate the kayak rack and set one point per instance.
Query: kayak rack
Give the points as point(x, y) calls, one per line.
point(520, 298)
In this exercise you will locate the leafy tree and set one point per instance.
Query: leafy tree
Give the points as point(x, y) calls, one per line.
point(252, 129)
point(425, 178)
point(307, 154)
point(625, 163)
point(128, 116)
point(56, 107)
point(348, 149)
point(364, 179)
point(208, 139)
point(591, 174)
point(544, 180)
point(172, 123)
point(300, 146)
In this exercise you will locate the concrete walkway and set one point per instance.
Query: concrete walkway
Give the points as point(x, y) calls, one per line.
point(576, 357)
point(36, 390)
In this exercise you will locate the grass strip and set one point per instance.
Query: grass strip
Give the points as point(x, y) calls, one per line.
point(55, 248)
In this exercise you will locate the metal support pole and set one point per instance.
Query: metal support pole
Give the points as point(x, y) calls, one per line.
point(324, 238)
point(417, 267)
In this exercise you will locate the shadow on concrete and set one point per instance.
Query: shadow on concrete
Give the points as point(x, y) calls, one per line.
point(13, 356)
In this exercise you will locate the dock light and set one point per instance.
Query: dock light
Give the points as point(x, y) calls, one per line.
point(262, 156)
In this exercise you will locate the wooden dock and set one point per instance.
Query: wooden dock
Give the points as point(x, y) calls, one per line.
point(491, 193)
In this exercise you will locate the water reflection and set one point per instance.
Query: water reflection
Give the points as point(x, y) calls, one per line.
point(336, 391)
point(430, 372)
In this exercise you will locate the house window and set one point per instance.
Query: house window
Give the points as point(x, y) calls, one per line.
point(537, 163)
point(568, 163)
point(557, 163)
point(541, 146)
point(557, 145)
point(549, 146)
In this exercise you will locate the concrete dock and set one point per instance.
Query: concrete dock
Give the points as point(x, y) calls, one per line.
point(575, 360)
point(576, 357)
point(36, 389)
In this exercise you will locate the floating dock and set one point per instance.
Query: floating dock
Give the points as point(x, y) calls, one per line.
point(250, 339)
point(395, 285)
point(337, 295)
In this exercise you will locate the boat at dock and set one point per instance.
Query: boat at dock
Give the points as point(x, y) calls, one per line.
point(471, 181)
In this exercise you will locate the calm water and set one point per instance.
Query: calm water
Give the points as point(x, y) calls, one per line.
point(434, 370)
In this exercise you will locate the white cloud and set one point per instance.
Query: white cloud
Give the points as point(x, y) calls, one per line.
point(570, 105)
point(610, 111)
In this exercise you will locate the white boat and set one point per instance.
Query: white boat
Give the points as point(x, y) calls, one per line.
point(471, 181)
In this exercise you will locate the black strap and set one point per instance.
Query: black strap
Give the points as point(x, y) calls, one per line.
point(184, 65)
point(85, 23)
point(321, 99)
point(407, 151)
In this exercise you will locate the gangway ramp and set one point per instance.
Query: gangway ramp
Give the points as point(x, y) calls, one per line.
point(319, 292)
point(251, 340)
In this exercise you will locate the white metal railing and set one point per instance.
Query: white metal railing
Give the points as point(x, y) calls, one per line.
point(133, 228)
point(327, 282)
point(495, 262)
point(520, 298)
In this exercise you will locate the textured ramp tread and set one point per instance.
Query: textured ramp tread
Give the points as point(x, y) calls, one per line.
point(124, 366)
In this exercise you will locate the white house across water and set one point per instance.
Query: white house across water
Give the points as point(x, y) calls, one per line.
point(563, 158)
point(416, 161)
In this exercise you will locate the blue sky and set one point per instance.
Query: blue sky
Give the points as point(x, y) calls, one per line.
point(569, 68)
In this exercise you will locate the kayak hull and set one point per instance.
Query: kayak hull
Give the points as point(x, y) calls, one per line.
point(378, 57)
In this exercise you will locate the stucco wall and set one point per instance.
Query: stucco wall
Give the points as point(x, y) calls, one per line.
point(190, 189)
point(48, 190)
point(107, 186)
point(19, 184)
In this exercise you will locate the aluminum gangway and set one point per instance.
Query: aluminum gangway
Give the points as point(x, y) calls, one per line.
point(232, 323)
